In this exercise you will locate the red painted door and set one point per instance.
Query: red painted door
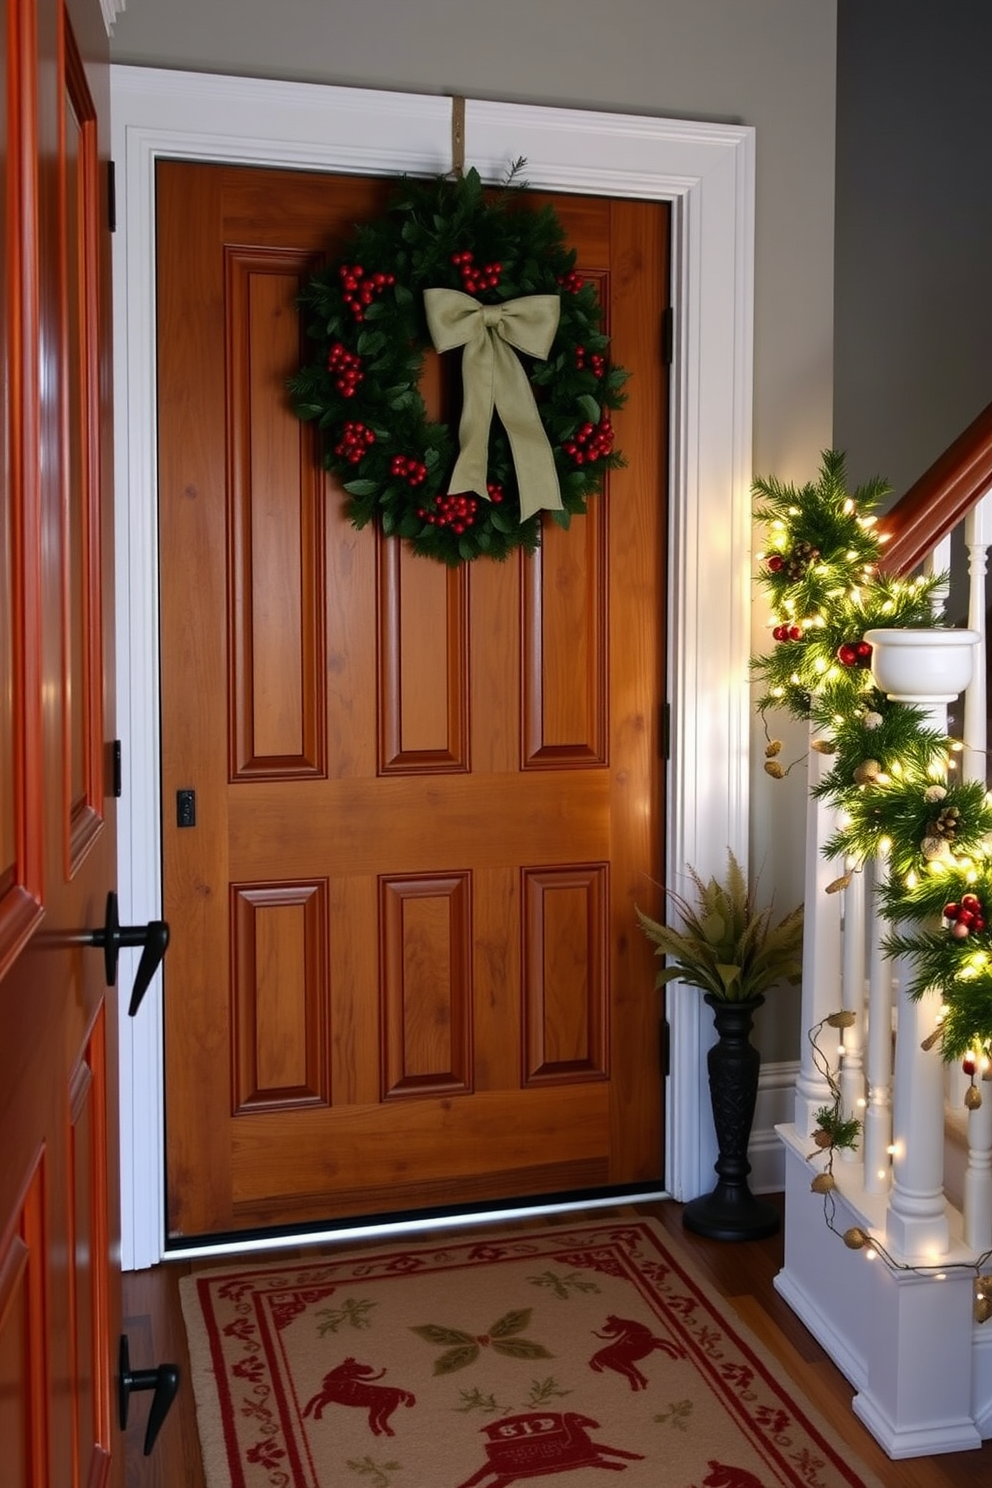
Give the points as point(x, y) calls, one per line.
point(405, 970)
point(59, 1308)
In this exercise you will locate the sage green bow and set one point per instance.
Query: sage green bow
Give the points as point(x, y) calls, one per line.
point(494, 378)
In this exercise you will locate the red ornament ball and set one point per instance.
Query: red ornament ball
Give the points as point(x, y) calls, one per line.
point(776, 562)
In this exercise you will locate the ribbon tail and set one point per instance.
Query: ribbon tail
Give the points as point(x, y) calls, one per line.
point(533, 460)
point(478, 401)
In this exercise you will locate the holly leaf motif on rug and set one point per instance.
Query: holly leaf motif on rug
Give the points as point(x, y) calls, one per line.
point(563, 1286)
point(353, 1310)
point(379, 1475)
point(464, 1348)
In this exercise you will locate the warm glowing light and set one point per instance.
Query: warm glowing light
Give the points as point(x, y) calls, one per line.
point(891, 1149)
point(870, 1254)
point(885, 845)
point(820, 665)
point(849, 507)
point(861, 1103)
point(941, 1276)
point(778, 692)
point(911, 879)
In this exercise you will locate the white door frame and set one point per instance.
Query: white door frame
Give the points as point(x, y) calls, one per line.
point(706, 171)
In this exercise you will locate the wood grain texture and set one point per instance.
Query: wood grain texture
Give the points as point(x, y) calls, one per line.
point(59, 1196)
point(479, 726)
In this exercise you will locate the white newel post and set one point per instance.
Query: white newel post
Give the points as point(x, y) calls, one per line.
point(821, 986)
point(927, 668)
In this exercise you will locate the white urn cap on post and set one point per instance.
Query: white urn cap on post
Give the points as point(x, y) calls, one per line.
point(922, 666)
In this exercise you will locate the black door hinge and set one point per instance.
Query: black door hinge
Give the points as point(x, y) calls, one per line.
point(116, 770)
point(111, 196)
point(667, 336)
point(665, 731)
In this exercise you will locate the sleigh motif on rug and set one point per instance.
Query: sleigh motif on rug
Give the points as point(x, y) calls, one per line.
point(534, 1446)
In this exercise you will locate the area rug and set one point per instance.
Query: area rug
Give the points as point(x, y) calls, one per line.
point(490, 1360)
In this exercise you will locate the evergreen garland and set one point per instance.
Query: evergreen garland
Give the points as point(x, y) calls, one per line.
point(367, 320)
point(891, 776)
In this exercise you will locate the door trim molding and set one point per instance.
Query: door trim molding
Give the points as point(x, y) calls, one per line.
point(706, 171)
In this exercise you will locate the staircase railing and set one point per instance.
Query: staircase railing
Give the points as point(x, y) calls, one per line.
point(919, 1185)
point(882, 1071)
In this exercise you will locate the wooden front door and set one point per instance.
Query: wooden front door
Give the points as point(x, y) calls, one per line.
point(405, 970)
point(59, 1201)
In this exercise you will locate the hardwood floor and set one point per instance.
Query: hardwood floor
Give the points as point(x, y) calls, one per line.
point(744, 1274)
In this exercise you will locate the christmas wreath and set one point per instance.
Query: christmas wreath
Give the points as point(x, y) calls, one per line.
point(451, 264)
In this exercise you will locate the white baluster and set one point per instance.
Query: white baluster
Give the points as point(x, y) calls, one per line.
point(878, 1112)
point(938, 561)
point(852, 1073)
point(978, 1176)
point(821, 984)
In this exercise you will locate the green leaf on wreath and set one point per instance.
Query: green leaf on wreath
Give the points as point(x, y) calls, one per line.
point(403, 295)
point(369, 342)
point(590, 408)
point(361, 487)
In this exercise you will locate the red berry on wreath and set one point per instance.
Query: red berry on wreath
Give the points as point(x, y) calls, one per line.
point(960, 931)
point(969, 1064)
point(971, 901)
point(795, 633)
point(776, 563)
point(951, 910)
point(863, 649)
point(847, 654)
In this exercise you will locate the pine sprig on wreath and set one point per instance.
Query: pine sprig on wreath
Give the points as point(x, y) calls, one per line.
point(366, 317)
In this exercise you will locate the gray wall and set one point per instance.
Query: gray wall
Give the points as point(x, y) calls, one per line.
point(766, 63)
point(913, 347)
point(769, 63)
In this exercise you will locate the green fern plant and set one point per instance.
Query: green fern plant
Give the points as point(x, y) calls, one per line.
point(726, 945)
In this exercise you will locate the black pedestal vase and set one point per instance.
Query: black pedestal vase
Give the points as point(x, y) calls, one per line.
point(731, 1211)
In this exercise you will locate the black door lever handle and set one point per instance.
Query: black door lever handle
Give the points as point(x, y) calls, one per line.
point(153, 937)
point(164, 1380)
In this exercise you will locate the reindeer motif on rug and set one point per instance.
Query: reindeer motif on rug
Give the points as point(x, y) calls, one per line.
point(535, 1446)
point(630, 1341)
point(351, 1383)
point(722, 1476)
